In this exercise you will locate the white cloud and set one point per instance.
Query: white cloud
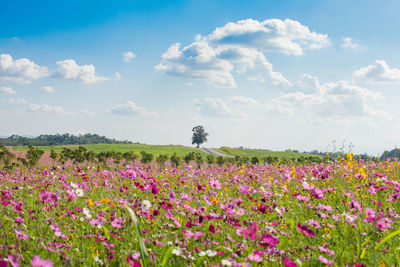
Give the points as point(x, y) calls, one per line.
point(7, 90)
point(336, 100)
point(378, 72)
point(44, 108)
point(69, 70)
point(240, 46)
point(273, 35)
point(215, 107)
point(130, 108)
point(118, 76)
point(86, 113)
point(20, 70)
point(347, 42)
point(242, 101)
point(48, 89)
point(128, 56)
point(17, 101)
point(198, 61)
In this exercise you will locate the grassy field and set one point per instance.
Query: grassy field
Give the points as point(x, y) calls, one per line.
point(171, 149)
point(153, 149)
point(260, 153)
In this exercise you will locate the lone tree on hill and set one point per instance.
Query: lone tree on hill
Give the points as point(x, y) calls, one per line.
point(199, 135)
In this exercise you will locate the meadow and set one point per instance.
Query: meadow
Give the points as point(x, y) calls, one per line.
point(341, 213)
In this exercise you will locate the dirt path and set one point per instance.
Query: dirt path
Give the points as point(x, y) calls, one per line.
point(214, 152)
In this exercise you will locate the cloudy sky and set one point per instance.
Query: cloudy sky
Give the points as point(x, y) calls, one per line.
point(262, 74)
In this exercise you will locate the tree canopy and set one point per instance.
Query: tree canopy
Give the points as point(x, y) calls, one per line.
point(199, 135)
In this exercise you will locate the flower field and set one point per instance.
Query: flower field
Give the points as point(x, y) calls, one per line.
point(342, 213)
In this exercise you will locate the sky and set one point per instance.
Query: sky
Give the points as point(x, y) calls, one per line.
point(271, 74)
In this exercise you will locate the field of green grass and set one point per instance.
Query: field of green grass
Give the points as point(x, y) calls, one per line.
point(246, 152)
point(137, 148)
point(171, 149)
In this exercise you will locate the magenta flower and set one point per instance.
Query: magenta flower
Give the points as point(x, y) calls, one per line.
point(215, 184)
point(269, 240)
point(325, 250)
point(38, 262)
point(289, 263)
point(305, 230)
point(251, 232)
point(20, 235)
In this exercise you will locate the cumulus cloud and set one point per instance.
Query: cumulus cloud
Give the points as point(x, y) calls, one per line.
point(337, 99)
point(128, 56)
point(130, 108)
point(17, 101)
point(20, 70)
point(347, 42)
point(272, 35)
point(240, 47)
point(215, 107)
point(378, 72)
point(7, 90)
point(48, 89)
point(68, 69)
point(44, 108)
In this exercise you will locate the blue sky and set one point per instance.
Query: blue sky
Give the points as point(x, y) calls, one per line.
point(263, 74)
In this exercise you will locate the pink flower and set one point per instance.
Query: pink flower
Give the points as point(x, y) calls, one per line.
point(251, 231)
point(289, 263)
point(325, 250)
point(20, 235)
point(257, 256)
point(314, 223)
point(269, 240)
point(215, 184)
point(118, 222)
point(38, 262)
point(324, 260)
point(19, 220)
point(305, 230)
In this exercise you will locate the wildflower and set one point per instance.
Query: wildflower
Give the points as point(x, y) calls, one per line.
point(118, 222)
point(38, 262)
point(20, 235)
point(289, 263)
point(305, 230)
point(146, 205)
point(325, 250)
point(324, 260)
point(86, 211)
point(215, 184)
point(79, 192)
point(226, 262)
point(269, 240)
point(257, 256)
point(177, 251)
point(19, 220)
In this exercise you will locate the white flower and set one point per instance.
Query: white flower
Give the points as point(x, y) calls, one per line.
point(79, 192)
point(146, 205)
point(177, 251)
point(211, 253)
point(226, 262)
point(169, 243)
point(96, 259)
point(82, 219)
point(87, 212)
point(202, 253)
point(73, 185)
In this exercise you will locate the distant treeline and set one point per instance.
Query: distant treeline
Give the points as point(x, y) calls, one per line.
point(59, 139)
point(395, 153)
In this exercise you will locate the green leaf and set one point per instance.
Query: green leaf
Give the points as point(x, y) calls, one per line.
point(386, 238)
point(143, 253)
point(167, 256)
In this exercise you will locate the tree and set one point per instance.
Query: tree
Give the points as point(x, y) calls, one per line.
point(146, 157)
point(6, 156)
point(53, 156)
point(189, 157)
point(199, 135)
point(33, 155)
point(176, 160)
point(161, 159)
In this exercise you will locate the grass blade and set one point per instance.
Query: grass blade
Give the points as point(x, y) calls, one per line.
point(143, 253)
